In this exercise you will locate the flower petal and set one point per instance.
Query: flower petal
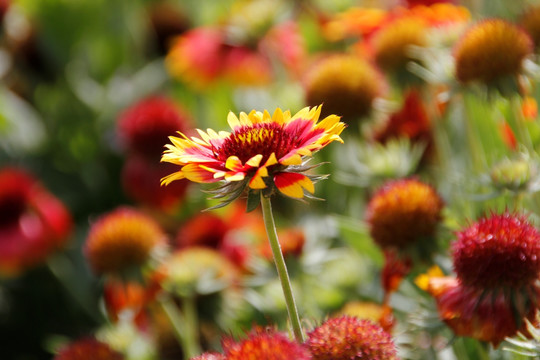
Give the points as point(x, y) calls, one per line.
point(293, 184)
point(196, 173)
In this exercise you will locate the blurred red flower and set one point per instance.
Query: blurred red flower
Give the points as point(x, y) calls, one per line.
point(33, 222)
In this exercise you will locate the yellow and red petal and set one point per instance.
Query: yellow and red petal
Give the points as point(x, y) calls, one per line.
point(196, 173)
point(293, 184)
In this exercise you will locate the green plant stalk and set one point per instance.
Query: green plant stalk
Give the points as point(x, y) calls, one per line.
point(281, 268)
point(182, 328)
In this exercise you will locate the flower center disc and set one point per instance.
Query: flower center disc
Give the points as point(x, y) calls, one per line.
point(261, 138)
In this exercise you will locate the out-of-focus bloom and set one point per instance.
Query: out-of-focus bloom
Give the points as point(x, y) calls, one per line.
point(410, 121)
point(88, 349)
point(530, 21)
point(366, 22)
point(191, 270)
point(246, 67)
point(140, 181)
point(516, 174)
point(197, 56)
point(285, 42)
point(345, 84)
point(497, 262)
point(500, 251)
point(508, 136)
point(265, 345)
point(491, 51)
point(350, 338)
point(166, 21)
point(412, 3)
point(529, 108)
point(263, 152)
point(122, 240)
point(291, 241)
point(205, 229)
point(394, 271)
point(33, 223)
point(380, 314)
point(146, 125)
point(391, 43)
point(354, 22)
point(404, 213)
point(130, 299)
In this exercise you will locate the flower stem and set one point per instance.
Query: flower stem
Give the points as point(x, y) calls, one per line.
point(281, 268)
point(184, 334)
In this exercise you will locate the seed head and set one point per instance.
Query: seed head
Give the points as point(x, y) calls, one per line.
point(346, 84)
point(403, 212)
point(350, 338)
point(498, 251)
point(491, 50)
point(122, 239)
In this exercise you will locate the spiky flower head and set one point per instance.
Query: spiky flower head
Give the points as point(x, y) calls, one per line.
point(499, 251)
point(345, 84)
point(268, 345)
point(530, 21)
point(391, 44)
point(490, 51)
point(350, 338)
point(88, 349)
point(262, 153)
point(403, 213)
point(121, 240)
point(147, 124)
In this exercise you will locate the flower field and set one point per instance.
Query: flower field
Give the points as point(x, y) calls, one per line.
point(258, 179)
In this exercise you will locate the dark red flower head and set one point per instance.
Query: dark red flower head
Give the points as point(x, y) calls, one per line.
point(146, 125)
point(350, 338)
point(88, 349)
point(498, 251)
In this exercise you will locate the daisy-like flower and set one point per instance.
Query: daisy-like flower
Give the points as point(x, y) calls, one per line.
point(351, 338)
point(263, 153)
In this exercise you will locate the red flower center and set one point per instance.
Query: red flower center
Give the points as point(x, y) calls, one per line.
point(261, 138)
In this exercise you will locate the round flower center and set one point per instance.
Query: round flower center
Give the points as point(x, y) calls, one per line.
point(261, 138)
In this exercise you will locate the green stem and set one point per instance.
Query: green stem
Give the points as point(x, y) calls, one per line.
point(181, 327)
point(281, 268)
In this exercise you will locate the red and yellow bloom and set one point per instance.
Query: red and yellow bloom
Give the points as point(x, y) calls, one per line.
point(262, 152)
